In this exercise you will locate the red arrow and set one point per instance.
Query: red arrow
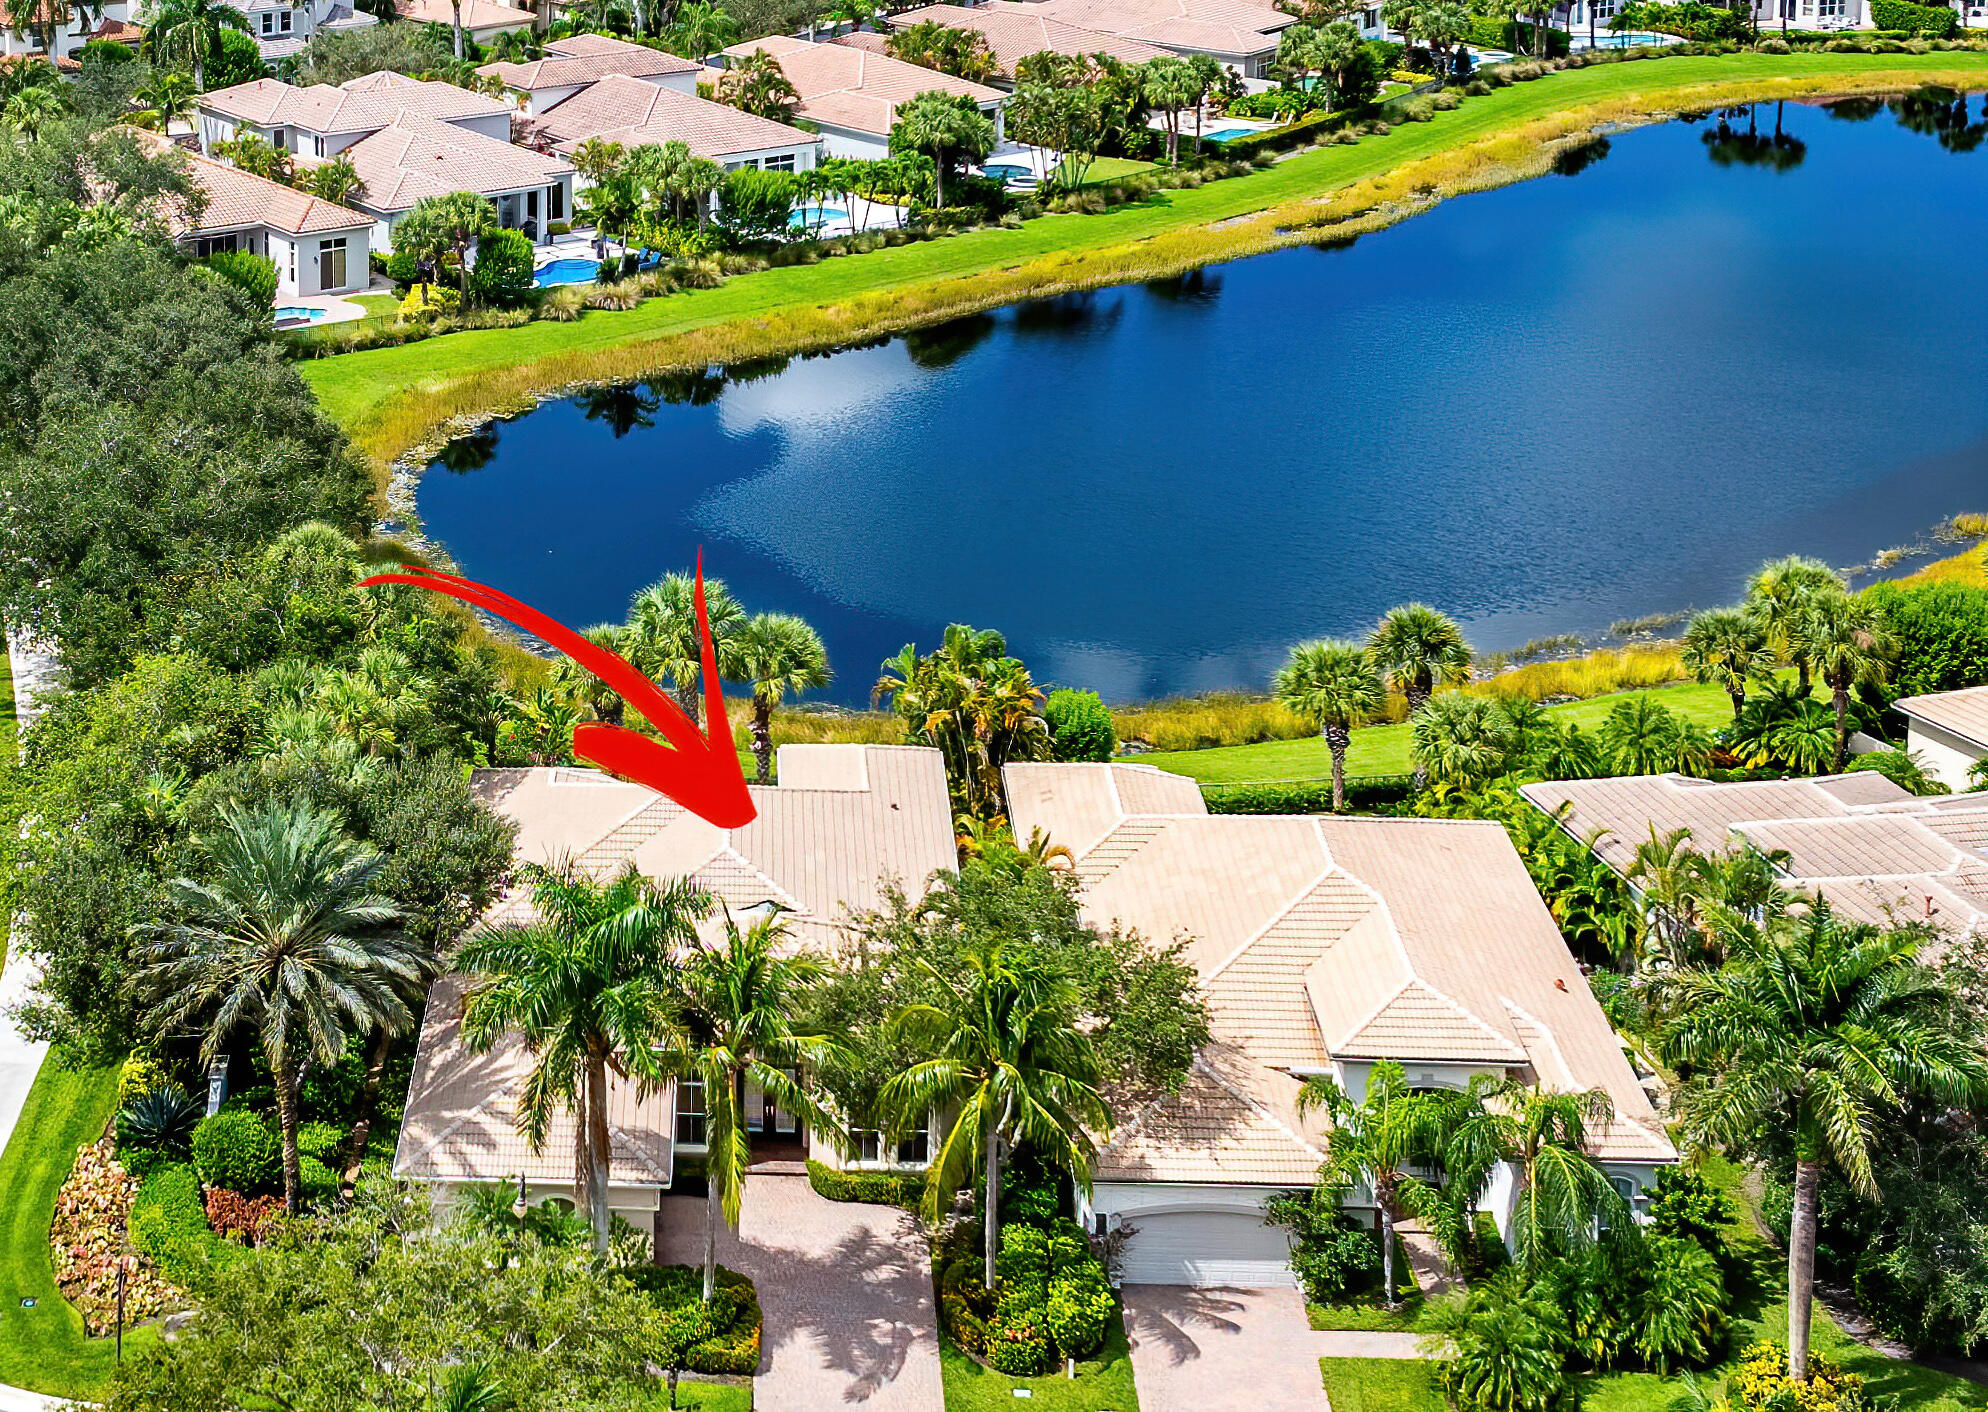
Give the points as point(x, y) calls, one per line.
point(698, 769)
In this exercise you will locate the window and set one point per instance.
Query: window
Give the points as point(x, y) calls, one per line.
point(1625, 1187)
point(915, 1149)
point(690, 1111)
point(277, 139)
point(555, 202)
point(531, 205)
point(1605, 9)
point(331, 263)
point(782, 163)
point(868, 1146)
point(284, 20)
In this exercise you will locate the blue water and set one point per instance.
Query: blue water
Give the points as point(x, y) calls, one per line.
point(812, 215)
point(1224, 134)
point(297, 313)
point(1542, 408)
point(566, 272)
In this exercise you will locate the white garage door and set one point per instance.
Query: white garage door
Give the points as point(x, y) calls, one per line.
point(1206, 1248)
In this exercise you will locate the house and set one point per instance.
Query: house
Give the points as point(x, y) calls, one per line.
point(282, 28)
point(852, 95)
point(1324, 946)
point(572, 64)
point(844, 823)
point(1240, 34)
point(324, 120)
point(1949, 731)
point(635, 114)
point(1015, 32)
point(415, 157)
point(59, 32)
point(1877, 853)
point(482, 20)
point(318, 247)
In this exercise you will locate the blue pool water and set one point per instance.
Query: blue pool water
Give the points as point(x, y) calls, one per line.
point(297, 313)
point(1225, 134)
point(569, 271)
point(812, 215)
point(1543, 408)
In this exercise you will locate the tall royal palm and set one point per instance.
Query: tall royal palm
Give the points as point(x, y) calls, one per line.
point(1006, 1056)
point(1810, 1028)
point(663, 636)
point(1415, 648)
point(190, 31)
point(588, 984)
point(1729, 647)
point(738, 1036)
point(1850, 645)
point(1332, 685)
point(288, 937)
point(1778, 594)
point(777, 653)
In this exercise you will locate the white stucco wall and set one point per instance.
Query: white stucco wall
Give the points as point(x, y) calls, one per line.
point(1947, 757)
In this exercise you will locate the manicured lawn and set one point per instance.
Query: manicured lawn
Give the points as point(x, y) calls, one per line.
point(44, 1348)
point(1370, 1318)
point(1380, 1385)
point(802, 304)
point(704, 1397)
point(1101, 1385)
point(378, 305)
point(1383, 750)
point(1104, 169)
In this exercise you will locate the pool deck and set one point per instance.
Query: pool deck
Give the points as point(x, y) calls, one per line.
point(337, 309)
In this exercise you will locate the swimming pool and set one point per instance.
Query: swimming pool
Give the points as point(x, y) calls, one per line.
point(298, 314)
point(568, 271)
point(818, 215)
point(1628, 39)
point(1228, 133)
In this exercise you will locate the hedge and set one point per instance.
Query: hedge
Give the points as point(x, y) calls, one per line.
point(1278, 139)
point(1929, 21)
point(168, 1223)
point(1369, 792)
point(1514, 37)
point(869, 1188)
point(735, 1313)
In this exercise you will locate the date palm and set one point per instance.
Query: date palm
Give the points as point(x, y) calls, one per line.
point(287, 936)
point(446, 225)
point(777, 653)
point(1811, 1027)
point(1007, 1057)
point(1415, 648)
point(663, 635)
point(1778, 594)
point(737, 1033)
point(1849, 643)
point(1332, 685)
point(589, 985)
point(1729, 647)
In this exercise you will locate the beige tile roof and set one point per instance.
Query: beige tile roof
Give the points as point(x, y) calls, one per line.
point(1235, 27)
point(461, 1123)
point(1016, 32)
point(567, 64)
point(1965, 713)
point(853, 88)
point(1232, 1121)
point(235, 199)
point(636, 114)
point(477, 15)
point(1323, 939)
point(1869, 847)
point(418, 157)
point(363, 104)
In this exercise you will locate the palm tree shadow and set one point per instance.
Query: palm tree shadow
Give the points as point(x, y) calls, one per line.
point(1176, 1318)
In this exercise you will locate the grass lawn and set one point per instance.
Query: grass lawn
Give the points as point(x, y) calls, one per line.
point(1370, 1318)
point(1383, 750)
point(1380, 1385)
point(44, 1348)
point(377, 305)
point(1106, 169)
point(704, 1397)
point(390, 398)
point(1101, 1385)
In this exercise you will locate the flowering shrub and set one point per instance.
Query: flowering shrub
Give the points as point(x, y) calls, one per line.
point(235, 1216)
point(86, 1240)
point(1761, 1384)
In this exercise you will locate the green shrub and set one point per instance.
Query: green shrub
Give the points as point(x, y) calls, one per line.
point(1929, 21)
point(324, 1141)
point(869, 1188)
point(1278, 139)
point(502, 273)
point(733, 1347)
point(1079, 726)
point(161, 1120)
point(1691, 20)
point(106, 51)
point(1514, 37)
point(557, 228)
point(168, 1224)
point(316, 1181)
point(403, 269)
point(1306, 796)
point(254, 275)
point(756, 204)
point(1942, 631)
point(1904, 770)
point(1079, 1309)
point(1021, 1350)
point(237, 1149)
point(1684, 1205)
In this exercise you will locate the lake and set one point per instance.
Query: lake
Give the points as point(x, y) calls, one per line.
point(1542, 408)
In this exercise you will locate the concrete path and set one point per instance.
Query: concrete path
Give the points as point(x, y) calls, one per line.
point(1357, 1343)
point(1223, 1350)
point(846, 1291)
point(1426, 1259)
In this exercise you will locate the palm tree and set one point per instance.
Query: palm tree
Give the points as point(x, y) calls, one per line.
point(167, 96)
point(1562, 1199)
point(30, 111)
point(447, 225)
point(1776, 596)
point(289, 937)
point(1460, 741)
point(664, 640)
point(336, 181)
point(1171, 84)
point(941, 126)
point(1729, 646)
point(702, 29)
point(777, 653)
point(602, 701)
point(1010, 1061)
point(755, 83)
point(190, 30)
point(1811, 1026)
point(737, 1034)
point(1415, 647)
point(589, 986)
point(1334, 686)
point(1672, 878)
point(976, 703)
point(1849, 644)
point(1640, 735)
point(1208, 72)
point(1374, 1140)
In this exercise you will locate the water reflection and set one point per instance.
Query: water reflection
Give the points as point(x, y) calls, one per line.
point(622, 409)
point(470, 453)
point(1194, 287)
point(1572, 161)
point(942, 345)
point(1941, 113)
point(1729, 146)
point(1067, 313)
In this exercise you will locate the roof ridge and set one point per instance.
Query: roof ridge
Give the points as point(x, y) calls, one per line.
point(1279, 915)
point(1262, 1110)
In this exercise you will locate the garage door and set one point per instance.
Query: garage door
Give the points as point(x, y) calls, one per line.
point(1206, 1248)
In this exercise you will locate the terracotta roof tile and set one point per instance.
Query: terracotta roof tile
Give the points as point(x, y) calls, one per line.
point(567, 63)
point(853, 88)
point(363, 104)
point(1016, 32)
point(416, 157)
point(636, 114)
point(1965, 713)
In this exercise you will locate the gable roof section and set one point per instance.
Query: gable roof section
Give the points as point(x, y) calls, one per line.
point(364, 104)
point(1213, 26)
point(1963, 713)
point(568, 64)
point(1015, 33)
point(1224, 1125)
point(636, 114)
point(416, 157)
point(237, 199)
point(854, 88)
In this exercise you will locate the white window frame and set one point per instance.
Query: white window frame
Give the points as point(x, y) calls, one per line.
point(692, 1114)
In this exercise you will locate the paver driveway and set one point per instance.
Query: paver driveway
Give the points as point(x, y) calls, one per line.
point(846, 1291)
point(1213, 1350)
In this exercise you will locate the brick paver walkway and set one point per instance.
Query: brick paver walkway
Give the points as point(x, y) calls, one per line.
point(846, 1291)
point(1223, 1350)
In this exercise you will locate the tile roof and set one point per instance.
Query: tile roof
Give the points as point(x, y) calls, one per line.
point(567, 64)
point(635, 114)
point(418, 157)
point(1015, 32)
point(477, 15)
point(1213, 26)
point(364, 104)
point(236, 199)
point(1322, 939)
point(118, 31)
point(853, 88)
point(1232, 1121)
point(1872, 849)
point(1965, 713)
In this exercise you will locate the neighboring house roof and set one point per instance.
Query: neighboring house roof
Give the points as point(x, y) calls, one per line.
point(478, 16)
point(418, 157)
point(118, 31)
point(636, 114)
point(236, 199)
point(568, 66)
point(1210, 26)
point(1962, 713)
point(1877, 853)
point(1015, 33)
point(1326, 939)
point(364, 104)
point(62, 62)
point(853, 88)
